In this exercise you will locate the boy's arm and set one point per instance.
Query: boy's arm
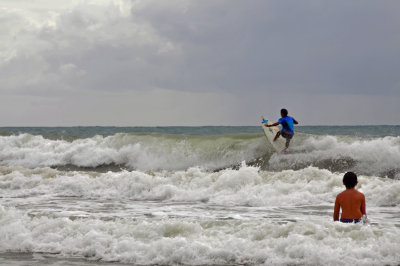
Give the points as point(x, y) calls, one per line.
point(295, 121)
point(363, 208)
point(272, 125)
point(336, 210)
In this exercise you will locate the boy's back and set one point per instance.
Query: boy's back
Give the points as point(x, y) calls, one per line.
point(352, 203)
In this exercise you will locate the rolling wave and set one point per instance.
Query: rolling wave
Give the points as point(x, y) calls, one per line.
point(132, 151)
point(371, 156)
point(378, 156)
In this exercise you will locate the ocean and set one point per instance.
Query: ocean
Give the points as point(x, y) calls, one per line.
point(195, 196)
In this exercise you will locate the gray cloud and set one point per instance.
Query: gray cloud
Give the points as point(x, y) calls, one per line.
point(319, 46)
point(286, 53)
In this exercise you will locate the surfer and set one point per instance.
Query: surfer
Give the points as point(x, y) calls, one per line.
point(351, 201)
point(287, 123)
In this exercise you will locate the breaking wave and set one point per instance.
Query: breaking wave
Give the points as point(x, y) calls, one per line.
point(371, 156)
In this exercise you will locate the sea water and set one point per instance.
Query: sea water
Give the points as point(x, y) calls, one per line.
point(195, 196)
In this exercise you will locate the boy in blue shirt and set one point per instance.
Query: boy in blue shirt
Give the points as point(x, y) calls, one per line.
point(287, 123)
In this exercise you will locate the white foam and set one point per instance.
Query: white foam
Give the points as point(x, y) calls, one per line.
point(201, 241)
point(246, 186)
point(243, 216)
point(380, 156)
point(142, 152)
point(366, 156)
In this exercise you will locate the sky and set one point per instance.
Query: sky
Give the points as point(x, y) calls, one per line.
point(196, 63)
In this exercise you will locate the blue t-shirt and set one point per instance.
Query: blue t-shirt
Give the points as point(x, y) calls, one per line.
point(287, 124)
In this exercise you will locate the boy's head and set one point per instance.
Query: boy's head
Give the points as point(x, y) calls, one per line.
point(284, 112)
point(350, 179)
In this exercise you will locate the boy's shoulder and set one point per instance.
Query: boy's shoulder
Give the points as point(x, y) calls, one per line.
point(360, 193)
point(341, 194)
point(350, 192)
point(357, 192)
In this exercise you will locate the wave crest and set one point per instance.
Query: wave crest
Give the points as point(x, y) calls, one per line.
point(380, 156)
point(377, 156)
point(134, 151)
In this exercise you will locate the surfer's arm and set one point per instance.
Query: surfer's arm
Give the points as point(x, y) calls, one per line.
point(295, 121)
point(272, 125)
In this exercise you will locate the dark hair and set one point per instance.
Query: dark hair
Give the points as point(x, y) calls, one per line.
point(284, 112)
point(350, 179)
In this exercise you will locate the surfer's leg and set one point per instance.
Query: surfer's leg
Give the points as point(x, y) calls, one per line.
point(288, 137)
point(277, 135)
point(287, 143)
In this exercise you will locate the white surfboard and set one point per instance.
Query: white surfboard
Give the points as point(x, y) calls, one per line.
point(270, 133)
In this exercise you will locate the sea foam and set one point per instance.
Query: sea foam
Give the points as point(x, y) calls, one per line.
point(194, 216)
point(377, 156)
point(200, 241)
point(380, 156)
point(246, 186)
point(143, 152)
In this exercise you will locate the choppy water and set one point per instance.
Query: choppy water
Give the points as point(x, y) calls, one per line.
point(197, 196)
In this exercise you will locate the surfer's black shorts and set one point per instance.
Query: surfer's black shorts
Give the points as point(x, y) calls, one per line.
point(350, 220)
point(286, 135)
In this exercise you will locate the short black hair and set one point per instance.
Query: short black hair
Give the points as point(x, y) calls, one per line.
point(284, 112)
point(350, 179)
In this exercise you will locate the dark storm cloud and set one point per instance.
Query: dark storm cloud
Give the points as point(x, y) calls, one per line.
point(316, 46)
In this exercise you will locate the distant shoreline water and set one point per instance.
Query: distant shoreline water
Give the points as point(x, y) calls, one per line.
point(90, 131)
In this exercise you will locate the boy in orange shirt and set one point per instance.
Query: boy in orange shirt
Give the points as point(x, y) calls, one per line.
point(351, 201)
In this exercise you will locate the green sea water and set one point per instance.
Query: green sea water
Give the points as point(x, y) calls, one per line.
point(87, 132)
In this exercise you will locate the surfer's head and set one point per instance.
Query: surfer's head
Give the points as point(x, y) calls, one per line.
point(284, 112)
point(350, 179)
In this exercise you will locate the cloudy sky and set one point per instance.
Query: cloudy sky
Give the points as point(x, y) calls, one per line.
point(192, 62)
